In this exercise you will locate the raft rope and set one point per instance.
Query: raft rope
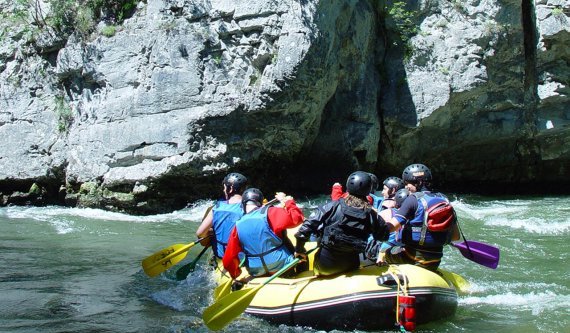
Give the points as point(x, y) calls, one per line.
point(393, 271)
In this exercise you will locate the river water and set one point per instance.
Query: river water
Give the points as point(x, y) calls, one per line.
point(79, 270)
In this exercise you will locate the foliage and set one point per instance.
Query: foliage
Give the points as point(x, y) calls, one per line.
point(68, 16)
point(557, 11)
point(404, 21)
point(109, 30)
point(64, 114)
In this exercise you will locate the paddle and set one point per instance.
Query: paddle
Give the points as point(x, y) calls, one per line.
point(227, 308)
point(164, 259)
point(462, 285)
point(223, 289)
point(183, 271)
point(481, 253)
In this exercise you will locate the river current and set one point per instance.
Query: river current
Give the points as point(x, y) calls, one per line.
point(79, 270)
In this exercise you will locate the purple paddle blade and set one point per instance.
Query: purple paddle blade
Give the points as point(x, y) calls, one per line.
point(481, 253)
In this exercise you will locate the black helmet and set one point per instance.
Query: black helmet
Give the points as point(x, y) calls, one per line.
point(359, 183)
point(417, 174)
point(252, 195)
point(393, 183)
point(237, 180)
point(400, 196)
point(374, 182)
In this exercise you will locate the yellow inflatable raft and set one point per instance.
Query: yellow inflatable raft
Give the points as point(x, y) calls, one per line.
point(369, 298)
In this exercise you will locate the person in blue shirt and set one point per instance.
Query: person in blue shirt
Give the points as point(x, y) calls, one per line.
point(220, 221)
point(420, 245)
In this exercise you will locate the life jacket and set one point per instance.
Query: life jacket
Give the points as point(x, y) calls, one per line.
point(393, 238)
point(225, 216)
point(265, 252)
point(347, 229)
point(377, 201)
point(430, 229)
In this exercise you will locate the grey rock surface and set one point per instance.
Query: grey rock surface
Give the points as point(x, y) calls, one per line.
point(296, 94)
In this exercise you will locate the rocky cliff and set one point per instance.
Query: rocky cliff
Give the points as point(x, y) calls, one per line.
point(151, 114)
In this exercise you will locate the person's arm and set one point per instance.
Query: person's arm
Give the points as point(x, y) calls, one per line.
point(231, 258)
point(405, 213)
point(287, 217)
point(311, 225)
point(205, 228)
point(336, 192)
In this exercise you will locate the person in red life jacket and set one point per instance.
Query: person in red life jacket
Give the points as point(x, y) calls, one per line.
point(389, 188)
point(337, 192)
point(422, 245)
point(222, 218)
point(343, 227)
point(261, 235)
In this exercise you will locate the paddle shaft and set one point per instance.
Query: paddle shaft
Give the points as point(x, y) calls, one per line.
point(183, 271)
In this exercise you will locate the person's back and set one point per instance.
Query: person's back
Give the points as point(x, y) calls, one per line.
point(225, 215)
point(422, 246)
point(222, 218)
point(345, 225)
point(260, 235)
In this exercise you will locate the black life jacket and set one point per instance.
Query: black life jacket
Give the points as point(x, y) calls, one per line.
point(347, 229)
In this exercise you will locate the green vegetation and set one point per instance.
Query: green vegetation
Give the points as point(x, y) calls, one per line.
point(64, 114)
point(404, 22)
point(109, 30)
point(68, 16)
point(557, 11)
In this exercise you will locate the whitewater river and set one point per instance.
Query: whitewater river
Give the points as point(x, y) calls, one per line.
point(79, 270)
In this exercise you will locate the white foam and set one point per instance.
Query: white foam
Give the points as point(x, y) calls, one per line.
point(492, 209)
point(192, 213)
point(531, 224)
point(62, 227)
point(517, 214)
point(535, 302)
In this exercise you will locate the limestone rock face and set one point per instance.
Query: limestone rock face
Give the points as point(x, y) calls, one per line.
point(295, 94)
point(486, 99)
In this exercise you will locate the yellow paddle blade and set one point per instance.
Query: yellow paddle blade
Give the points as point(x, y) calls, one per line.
point(227, 308)
point(165, 258)
point(463, 286)
point(223, 289)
